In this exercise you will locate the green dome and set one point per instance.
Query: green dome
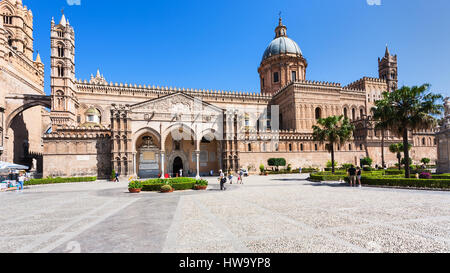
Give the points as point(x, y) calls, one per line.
point(93, 112)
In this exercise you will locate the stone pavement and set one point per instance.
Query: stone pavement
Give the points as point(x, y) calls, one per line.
point(284, 213)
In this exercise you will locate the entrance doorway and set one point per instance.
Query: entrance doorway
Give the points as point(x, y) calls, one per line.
point(177, 166)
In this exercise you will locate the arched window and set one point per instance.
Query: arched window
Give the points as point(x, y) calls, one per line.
point(249, 147)
point(423, 141)
point(361, 113)
point(316, 147)
point(60, 71)
point(353, 114)
point(60, 50)
point(290, 147)
point(301, 147)
point(318, 113)
point(349, 147)
point(345, 113)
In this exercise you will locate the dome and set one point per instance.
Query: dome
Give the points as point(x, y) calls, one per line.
point(282, 45)
point(93, 112)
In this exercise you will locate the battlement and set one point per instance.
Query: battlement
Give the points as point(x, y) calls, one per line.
point(145, 90)
point(309, 83)
point(78, 132)
point(358, 85)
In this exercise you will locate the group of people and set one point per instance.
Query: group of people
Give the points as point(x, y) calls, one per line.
point(223, 179)
point(354, 176)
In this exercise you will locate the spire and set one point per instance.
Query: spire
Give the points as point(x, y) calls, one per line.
point(387, 54)
point(63, 21)
point(280, 30)
point(38, 58)
point(98, 73)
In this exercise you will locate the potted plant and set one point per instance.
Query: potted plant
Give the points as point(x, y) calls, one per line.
point(166, 189)
point(135, 187)
point(201, 185)
point(261, 169)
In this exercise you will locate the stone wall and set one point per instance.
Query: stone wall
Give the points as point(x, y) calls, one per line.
point(77, 157)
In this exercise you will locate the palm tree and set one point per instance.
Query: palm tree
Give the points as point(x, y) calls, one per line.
point(381, 113)
point(333, 130)
point(397, 148)
point(411, 108)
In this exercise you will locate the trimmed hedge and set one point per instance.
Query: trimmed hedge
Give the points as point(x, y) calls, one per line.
point(406, 182)
point(326, 177)
point(59, 180)
point(178, 184)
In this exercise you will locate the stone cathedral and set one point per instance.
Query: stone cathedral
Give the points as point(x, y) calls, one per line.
point(98, 126)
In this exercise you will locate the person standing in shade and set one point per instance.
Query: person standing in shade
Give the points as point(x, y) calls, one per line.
point(352, 175)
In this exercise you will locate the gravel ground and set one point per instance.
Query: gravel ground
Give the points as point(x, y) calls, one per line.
point(276, 214)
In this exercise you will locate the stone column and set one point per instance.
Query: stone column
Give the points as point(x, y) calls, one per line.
point(162, 164)
point(134, 164)
point(197, 154)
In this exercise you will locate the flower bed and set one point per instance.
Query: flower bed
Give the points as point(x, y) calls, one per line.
point(59, 180)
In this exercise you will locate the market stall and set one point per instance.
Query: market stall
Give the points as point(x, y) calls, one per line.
point(8, 175)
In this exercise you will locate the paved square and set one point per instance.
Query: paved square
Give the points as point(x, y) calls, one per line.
point(284, 213)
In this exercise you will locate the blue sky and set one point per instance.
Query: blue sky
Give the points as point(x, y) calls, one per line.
point(219, 44)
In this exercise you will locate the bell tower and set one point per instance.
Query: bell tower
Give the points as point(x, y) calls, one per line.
point(388, 70)
point(63, 89)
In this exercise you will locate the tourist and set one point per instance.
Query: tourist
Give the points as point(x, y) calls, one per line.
point(352, 175)
point(181, 172)
point(211, 173)
point(20, 181)
point(117, 178)
point(222, 180)
point(230, 177)
point(241, 177)
point(358, 175)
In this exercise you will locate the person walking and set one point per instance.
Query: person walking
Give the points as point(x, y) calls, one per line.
point(358, 176)
point(230, 177)
point(241, 177)
point(20, 181)
point(181, 172)
point(352, 175)
point(222, 180)
point(117, 177)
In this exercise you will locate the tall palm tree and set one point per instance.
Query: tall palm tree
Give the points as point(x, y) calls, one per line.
point(381, 113)
point(411, 108)
point(333, 130)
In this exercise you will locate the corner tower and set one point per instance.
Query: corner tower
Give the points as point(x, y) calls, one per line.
point(388, 70)
point(63, 89)
point(282, 62)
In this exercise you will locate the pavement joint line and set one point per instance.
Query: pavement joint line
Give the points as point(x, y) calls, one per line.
point(171, 239)
point(237, 244)
point(311, 229)
point(58, 230)
point(71, 235)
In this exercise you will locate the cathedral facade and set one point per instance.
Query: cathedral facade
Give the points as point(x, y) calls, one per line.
point(99, 126)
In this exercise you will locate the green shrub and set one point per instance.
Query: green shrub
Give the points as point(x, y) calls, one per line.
point(367, 169)
point(329, 165)
point(289, 168)
point(261, 168)
point(135, 185)
point(367, 161)
point(178, 184)
point(59, 180)
point(324, 176)
point(406, 182)
point(309, 170)
point(394, 172)
point(166, 188)
point(201, 182)
point(113, 175)
point(347, 166)
point(425, 161)
point(276, 162)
